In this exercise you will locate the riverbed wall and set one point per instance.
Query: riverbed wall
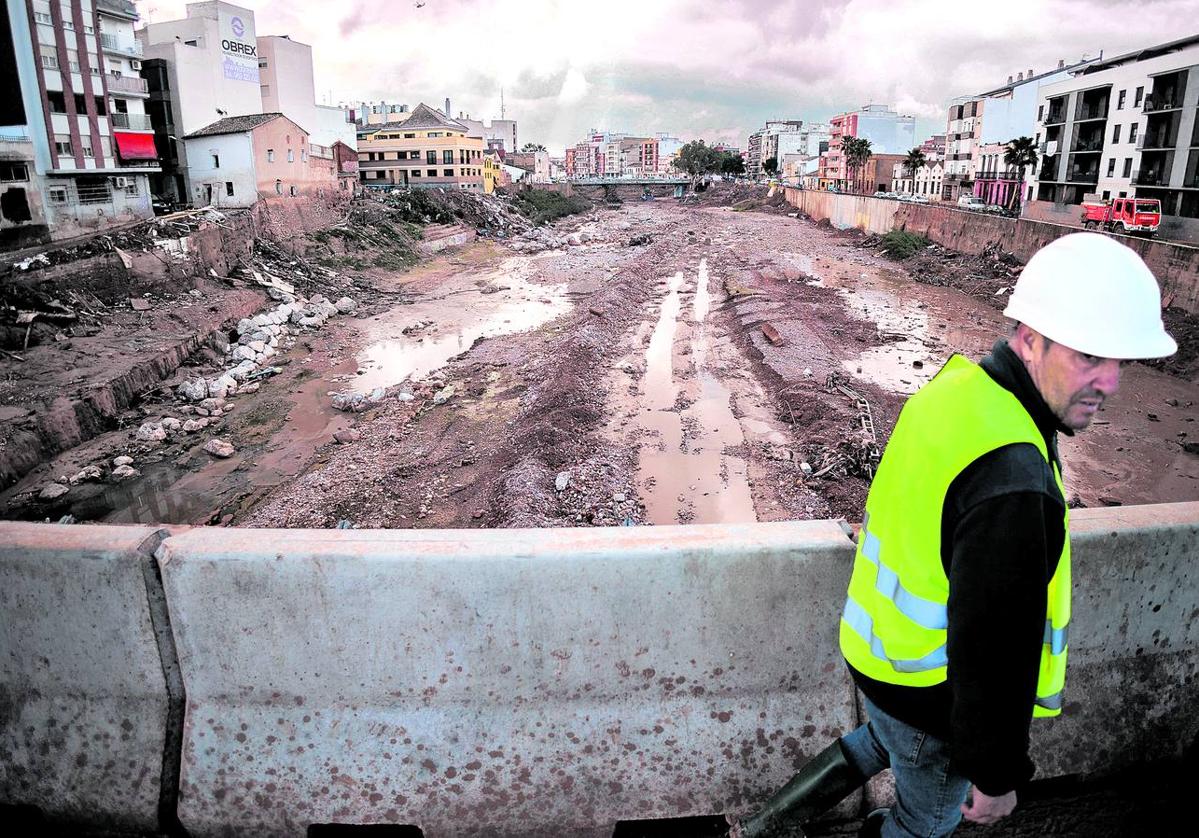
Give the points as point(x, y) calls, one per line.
point(503, 682)
point(1175, 265)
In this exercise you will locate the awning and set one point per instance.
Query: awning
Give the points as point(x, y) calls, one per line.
point(135, 146)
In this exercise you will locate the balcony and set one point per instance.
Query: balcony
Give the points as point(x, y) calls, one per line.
point(1155, 142)
point(1085, 146)
point(126, 84)
point(1165, 101)
point(996, 175)
point(1056, 116)
point(132, 121)
point(1151, 177)
point(1083, 176)
point(111, 43)
point(1088, 112)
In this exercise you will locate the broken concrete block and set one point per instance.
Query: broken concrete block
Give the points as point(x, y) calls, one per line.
point(219, 448)
point(53, 491)
point(150, 432)
point(86, 474)
point(124, 472)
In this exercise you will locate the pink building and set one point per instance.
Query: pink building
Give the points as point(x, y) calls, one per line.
point(994, 180)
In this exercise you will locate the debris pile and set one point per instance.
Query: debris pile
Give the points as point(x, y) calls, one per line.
point(988, 276)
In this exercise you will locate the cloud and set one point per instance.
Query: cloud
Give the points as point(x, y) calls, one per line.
point(694, 67)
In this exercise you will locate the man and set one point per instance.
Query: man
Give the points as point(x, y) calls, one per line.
point(955, 624)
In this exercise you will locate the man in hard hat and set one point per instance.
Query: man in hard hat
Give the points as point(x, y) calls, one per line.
point(955, 624)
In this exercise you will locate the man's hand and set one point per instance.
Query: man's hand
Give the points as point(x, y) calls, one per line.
point(982, 808)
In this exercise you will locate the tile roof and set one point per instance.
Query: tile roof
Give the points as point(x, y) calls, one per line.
point(425, 117)
point(234, 124)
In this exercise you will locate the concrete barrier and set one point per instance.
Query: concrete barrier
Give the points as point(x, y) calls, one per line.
point(1175, 265)
point(502, 682)
point(84, 702)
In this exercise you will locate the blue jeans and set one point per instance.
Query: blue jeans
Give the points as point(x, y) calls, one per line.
point(928, 796)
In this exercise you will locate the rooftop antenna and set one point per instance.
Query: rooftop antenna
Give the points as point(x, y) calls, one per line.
point(501, 103)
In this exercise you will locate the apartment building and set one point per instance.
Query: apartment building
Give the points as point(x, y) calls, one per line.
point(1125, 126)
point(75, 147)
point(497, 132)
point(285, 82)
point(427, 149)
point(668, 150)
point(888, 132)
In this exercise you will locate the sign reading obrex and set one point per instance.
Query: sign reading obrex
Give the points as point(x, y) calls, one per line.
point(239, 46)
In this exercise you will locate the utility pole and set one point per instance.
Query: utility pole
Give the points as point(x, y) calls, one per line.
point(501, 103)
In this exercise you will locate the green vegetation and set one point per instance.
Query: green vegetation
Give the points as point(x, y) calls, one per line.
point(697, 159)
point(1021, 153)
point(771, 166)
point(544, 205)
point(365, 242)
point(856, 152)
point(900, 244)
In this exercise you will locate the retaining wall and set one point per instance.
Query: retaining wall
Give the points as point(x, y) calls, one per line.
point(1176, 266)
point(528, 682)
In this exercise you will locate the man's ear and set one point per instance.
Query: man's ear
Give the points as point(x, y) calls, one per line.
point(1024, 341)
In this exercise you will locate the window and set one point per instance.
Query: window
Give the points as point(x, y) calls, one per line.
point(1111, 167)
point(13, 172)
point(447, 156)
point(432, 134)
point(1120, 100)
point(50, 62)
point(447, 172)
point(291, 156)
point(270, 155)
point(1137, 102)
point(278, 186)
point(229, 188)
point(416, 173)
point(1132, 132)
point(410, 136)
point(1123, 194)
point(131, 188)
point(265, 90)
point(304, 155)
point(430, 157)
point(1127, 169)
point(43, 17)
point(216, 160)
point(292, 190)
point(432, 172)
point(87, 151)
point(57, 194)
point(1107, 193)
point(192, 43)
point(1115, 133)
point(261, 63)
point(61, 147)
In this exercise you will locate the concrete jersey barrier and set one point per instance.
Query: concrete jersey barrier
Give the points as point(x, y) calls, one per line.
point(84, 702)
point(505, 682)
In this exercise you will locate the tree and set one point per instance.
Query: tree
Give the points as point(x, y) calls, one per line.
point(731, 164)
point(532, 147)
point(1021, 153)
point(914, 161)
point(771, 166)
point(697, 159)
point(856, 151)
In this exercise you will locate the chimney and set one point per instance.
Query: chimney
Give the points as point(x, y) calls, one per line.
point(447, 106)
point(1019, 77)
point(1009, 79)
point(1061, 62)
point(1029, 74)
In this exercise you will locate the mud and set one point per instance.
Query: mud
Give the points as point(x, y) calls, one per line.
point(608, 384)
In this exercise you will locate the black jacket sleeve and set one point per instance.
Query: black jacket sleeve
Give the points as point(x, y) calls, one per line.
point(997, 600)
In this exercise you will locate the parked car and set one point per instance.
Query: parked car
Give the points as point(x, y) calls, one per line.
point(920, 199)
point(995, 208)
point(971, 202)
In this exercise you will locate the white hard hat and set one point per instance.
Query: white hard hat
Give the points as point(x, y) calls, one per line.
point(1094, 295)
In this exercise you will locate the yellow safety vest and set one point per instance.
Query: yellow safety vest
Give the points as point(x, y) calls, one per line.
point(894, 625)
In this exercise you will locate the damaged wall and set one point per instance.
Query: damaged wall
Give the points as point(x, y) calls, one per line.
point(1176, 266)
point(541, 682)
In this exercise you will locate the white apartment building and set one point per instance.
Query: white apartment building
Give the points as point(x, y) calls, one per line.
point(75, 151)
point(1125, 126)
point(502, 131)
point(783, 138)
point(668, 150)
point(286, 83)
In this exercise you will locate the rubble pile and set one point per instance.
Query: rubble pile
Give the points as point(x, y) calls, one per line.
point(989, 276)
point(489, 215)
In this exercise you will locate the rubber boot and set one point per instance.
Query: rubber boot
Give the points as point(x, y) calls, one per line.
point(823, 782)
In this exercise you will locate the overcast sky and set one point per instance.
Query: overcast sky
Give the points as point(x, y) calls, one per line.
point(715, 69)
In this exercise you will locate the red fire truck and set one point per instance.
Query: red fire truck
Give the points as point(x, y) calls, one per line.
point(1123, 215)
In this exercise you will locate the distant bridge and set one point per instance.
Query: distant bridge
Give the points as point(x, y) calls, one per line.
point(609, 188)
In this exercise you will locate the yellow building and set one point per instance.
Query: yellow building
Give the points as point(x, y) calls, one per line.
point(492, 172)
point(425, 150)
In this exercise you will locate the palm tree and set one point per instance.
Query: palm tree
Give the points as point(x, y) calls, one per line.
point(914, 161)
point(1021, 153)
point(857, 151)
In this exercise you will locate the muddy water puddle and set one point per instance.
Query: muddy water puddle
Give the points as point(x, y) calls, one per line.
point(413, 341)
point(680, 414)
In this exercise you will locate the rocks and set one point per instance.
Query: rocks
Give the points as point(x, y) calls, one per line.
point(150, 432)
point(52, 491)
point(192, 390)
point(87, 474)
point(443, 395)
point(357, 402)
point(222, 386)
point(347, 436)
point(242, 371)
point(170, 424)
point(243, 353)
point(405, 396)
point(219, 448)
point(562, 481)
point(122, 461)
point(193, 425)
point(124, 472)
point(346, 306)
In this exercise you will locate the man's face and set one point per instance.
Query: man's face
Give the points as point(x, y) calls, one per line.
point(1074, 385)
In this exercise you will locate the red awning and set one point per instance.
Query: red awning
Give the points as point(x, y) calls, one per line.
point(135, 146)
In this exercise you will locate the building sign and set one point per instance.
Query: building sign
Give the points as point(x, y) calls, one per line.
point(239, 47)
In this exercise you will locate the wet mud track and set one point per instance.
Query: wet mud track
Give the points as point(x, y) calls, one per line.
point(609, 384)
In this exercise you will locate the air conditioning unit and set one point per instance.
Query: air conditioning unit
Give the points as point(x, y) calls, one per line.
point(120, 182)
point(134, 64)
